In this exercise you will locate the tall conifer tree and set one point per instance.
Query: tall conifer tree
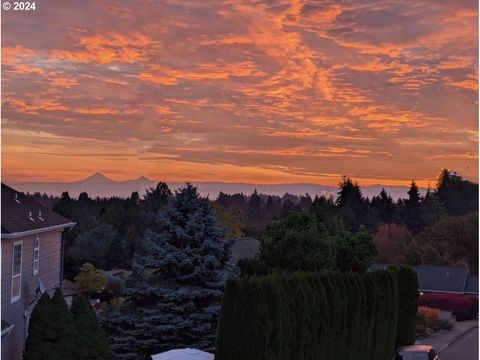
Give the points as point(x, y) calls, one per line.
point(177, 282)
point(38, 346)
point(92, 344)
point(51, 330)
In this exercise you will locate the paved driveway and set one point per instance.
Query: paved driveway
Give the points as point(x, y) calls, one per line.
point(465, 348)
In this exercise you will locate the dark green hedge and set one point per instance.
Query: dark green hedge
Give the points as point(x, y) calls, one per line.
point(408, 292)
point(312, 316)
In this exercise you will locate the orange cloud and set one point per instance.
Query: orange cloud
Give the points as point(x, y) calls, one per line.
point(34, 108)
point(469, 84)
point(109, 48)
point(244, 92)
point(96, 111)
point(168, 76)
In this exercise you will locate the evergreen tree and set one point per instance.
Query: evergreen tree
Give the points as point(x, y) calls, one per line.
point(384, 206)
point(407, 310)
point(297, 242)
point(288, 208)
point(413, 194)
point(413, 209)
point(459, 196)
point(177, 283)
point(52, 330)
point(325, 212)
point(255, 207)
point(351, 202)
point(156, 199)
point(102, 246)
point(432, 209)
point(239, 201)
point(92, 344)
point(63, 207)
point(273, 207)
point(39, 341)
point(62, 330)
point(355, 252)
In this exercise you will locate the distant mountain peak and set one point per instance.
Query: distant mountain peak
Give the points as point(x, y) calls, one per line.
point(97, 178)
point(144, 178)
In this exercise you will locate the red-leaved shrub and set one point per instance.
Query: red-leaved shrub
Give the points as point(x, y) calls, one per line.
point(464, 307)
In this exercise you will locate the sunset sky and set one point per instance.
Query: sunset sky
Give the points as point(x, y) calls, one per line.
point(240, 91)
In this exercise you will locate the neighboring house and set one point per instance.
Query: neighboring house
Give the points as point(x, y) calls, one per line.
point(69, 291)
point(117, 275)
point(442, 279)
point(31, 263)
point(244, 248)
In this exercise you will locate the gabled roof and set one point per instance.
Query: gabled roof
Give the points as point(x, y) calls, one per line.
point(69, 288)
point(244, 248)
point(22, 215)
point(441, 278)
point(432, 278)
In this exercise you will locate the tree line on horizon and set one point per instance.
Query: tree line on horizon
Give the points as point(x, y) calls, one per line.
point(178, 250)
point(438, 227)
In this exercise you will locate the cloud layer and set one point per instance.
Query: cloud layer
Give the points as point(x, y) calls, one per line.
point(252, 91)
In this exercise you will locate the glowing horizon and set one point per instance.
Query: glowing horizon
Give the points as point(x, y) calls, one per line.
point(241, 92)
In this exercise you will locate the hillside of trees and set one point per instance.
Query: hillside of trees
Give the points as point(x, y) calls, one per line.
point(440, 227)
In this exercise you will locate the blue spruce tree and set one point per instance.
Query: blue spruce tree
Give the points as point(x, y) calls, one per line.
point(174, 293)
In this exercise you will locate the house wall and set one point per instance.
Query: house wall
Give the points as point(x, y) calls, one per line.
point(49, 273)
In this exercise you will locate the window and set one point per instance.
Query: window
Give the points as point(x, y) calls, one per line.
point(36, 256)
point(17, 270)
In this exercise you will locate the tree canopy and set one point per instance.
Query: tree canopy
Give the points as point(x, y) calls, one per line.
point(177, 282)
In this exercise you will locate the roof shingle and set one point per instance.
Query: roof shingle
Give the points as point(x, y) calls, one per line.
point(21, 213)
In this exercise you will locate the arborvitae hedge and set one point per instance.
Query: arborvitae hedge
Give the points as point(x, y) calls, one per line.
point(56, 333)
point(313, 316)
point(407, 310)
point(92, 344)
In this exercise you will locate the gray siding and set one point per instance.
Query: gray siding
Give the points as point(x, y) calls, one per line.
point(49, 273)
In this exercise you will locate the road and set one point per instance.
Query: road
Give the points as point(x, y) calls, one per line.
point(465, 348)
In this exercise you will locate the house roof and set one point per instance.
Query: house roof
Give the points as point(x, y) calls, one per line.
point(244, 248)
point(375, 267)
point(22, 215)
point(441, 278)
point(445, 279)
point(69, 288)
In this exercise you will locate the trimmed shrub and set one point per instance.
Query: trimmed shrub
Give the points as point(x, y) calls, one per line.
point(407, 307)
point(433, 319)
point(309, 316)
point(92, 343)
point(464, 307)
point(228, 328)
point(421, 325)
point(250, 267)
point(428, 313)
point(57, 333)
point(446, 321)
point(39, 342)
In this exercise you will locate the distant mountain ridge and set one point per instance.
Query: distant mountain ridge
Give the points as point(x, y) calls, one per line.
point(102, 186)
